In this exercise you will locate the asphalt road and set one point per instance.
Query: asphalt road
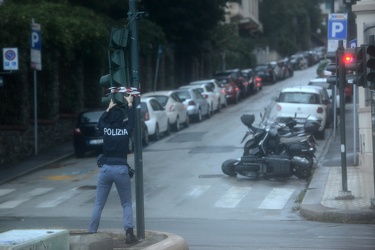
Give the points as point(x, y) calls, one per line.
point(186, 193)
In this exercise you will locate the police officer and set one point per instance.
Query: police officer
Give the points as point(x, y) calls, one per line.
point(115, 168)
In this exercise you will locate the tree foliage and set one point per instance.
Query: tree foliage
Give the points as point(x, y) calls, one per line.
point(288, 24)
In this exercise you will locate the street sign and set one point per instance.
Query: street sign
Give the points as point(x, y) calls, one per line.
point(10, 58)
point(36, 47)
point(337, 30)
point(353, 44)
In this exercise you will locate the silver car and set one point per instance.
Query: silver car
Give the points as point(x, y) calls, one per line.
point(196, 105)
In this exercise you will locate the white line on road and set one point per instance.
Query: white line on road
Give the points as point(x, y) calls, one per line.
point(277, 198)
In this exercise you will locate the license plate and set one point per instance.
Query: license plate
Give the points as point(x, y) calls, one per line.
point(96, 142)
point(300, 120)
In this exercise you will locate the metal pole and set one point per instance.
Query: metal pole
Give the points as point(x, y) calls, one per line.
point(342, 82)
point(372, 41)
point(344, 194)
point(35, 112)
point(355, 125)
point(132, 16)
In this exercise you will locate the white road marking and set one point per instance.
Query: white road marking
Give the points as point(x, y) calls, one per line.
point(6, 191)
point(58, 200)
point(197, 191)
point(277, 198)
point(232, 197)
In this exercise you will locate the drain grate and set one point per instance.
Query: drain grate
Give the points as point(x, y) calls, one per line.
point(87, 188)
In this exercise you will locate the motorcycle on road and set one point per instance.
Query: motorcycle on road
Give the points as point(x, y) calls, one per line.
point(275, 150)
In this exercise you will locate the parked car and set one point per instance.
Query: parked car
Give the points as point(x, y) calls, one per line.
point(174, 107)
point(214, 84)
point(155, 117)
point(254, 81)
point(237, 77)
point(301, 102)
point(266, 73)
point(210, 97)
point(87, 137)
point(322, 82)
point(196, 105)
point(298, 61)
point(231, 90)
point(215, 103)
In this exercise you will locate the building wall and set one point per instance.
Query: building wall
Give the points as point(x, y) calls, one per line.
point(365, 15)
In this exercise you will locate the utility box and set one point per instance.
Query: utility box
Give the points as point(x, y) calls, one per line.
point(35, 239)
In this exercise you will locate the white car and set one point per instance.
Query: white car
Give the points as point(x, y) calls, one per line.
point(323, 83)
point(208, 95)
point(301, 102)
point(217, 89)
point(155, 117)
point(174, 107)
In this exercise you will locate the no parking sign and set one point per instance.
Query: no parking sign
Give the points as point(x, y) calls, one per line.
point(10, 58)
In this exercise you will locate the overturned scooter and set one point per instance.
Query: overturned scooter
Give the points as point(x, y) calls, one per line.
point(268, 154)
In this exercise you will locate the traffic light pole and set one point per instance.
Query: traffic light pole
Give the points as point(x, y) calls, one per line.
point(344, 194)
point(135, 82)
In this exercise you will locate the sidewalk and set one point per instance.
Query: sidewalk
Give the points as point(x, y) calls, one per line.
point(320, 202)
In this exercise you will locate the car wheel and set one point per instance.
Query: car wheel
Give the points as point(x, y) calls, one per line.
point(187, 122)
point(218, 106)
point(168, 131)
point(79, 152)
point(225, 102)
point(177, 125)
point(208, 112)
point(145, 140)
point(156, 135)
point(199, 115)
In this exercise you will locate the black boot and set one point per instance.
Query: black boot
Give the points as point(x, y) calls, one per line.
point(130, 237)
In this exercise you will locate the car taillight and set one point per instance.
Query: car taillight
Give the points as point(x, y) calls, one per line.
point(77, 131)
point(191, 103)
point(147, 116)
point(246, 83)
point(319, 110)
point(279, 108)
point(223, 91)
point(237, 89)
point(171, 108)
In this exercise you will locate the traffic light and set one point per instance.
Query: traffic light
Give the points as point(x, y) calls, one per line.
point(118, 68)
point(332, 67)
point(370, 63)
point(349, 60)
point(360, 67)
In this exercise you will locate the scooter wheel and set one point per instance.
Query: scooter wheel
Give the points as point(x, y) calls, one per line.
point(303, 173)
point(228, 167)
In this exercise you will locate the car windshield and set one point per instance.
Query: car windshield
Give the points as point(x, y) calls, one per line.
point(183, 95)
point(91, 117)
point(261, 67)
point(161, 99)
point(299, 97)
point(320, 84)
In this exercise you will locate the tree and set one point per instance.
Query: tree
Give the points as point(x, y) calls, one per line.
point(288, 25)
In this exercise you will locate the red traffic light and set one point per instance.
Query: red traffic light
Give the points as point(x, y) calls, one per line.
point(348, 58)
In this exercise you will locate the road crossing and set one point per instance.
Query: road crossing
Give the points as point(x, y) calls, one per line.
point(274, 198)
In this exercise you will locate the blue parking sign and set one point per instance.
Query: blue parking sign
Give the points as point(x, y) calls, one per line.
point(337, 26)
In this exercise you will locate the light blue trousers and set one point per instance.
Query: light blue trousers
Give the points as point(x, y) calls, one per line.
point(108, 175)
